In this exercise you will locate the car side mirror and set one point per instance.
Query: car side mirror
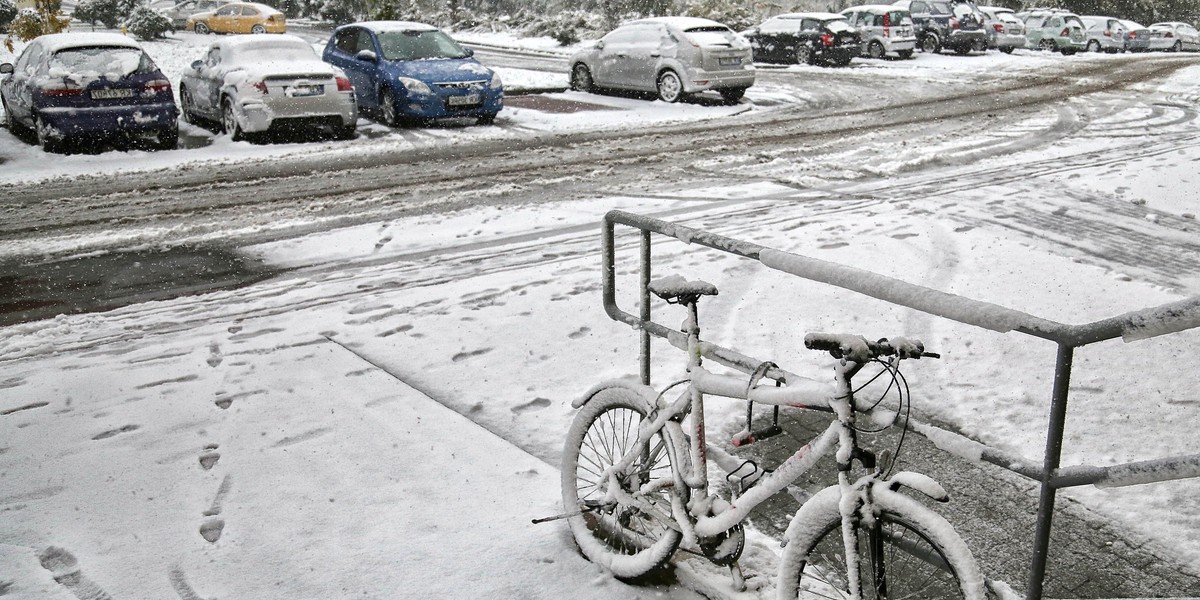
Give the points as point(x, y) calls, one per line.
point(600, 44)
point(6, 69)
point(367, 56)
point(469, 52)
point(196, 65)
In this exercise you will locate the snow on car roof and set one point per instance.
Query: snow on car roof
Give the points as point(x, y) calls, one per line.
point(242, 41)
point(813, 15)
point(877, 7)
point(381, 26)
point(58, 41)
point(681, 22)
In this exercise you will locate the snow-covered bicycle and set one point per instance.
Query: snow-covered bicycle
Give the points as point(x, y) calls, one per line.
point(635, 480)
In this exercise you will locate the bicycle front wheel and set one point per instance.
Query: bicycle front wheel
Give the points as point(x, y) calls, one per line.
point(628, 538)
point(908, 552)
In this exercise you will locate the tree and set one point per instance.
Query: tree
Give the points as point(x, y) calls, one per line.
point(46, 17)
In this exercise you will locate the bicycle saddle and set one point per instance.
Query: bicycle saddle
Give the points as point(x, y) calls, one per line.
point(674, 288)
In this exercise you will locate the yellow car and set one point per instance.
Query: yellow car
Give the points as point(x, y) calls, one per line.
point(239, 17)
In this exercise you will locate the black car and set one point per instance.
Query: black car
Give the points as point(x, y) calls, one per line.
point(805, 38)
point(954, 24)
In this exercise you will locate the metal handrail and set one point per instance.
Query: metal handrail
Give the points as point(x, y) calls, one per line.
point(1131, 326)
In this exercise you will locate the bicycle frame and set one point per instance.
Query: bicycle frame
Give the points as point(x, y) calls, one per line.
point(706, 515)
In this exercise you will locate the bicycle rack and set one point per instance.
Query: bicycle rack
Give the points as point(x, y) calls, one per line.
point(1133, 326)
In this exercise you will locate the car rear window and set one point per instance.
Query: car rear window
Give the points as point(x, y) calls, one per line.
point(838, 25)
point(276, 52)
point(419, 45)
point(99, 61)
point(710, 35)
point(940, 8)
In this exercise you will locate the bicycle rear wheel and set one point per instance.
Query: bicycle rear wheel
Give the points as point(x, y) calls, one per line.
point(909, 552)
point(629, 539)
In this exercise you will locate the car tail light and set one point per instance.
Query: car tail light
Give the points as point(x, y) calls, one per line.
point(1066, 32)
point(1168, 34)
point(1133, 34)
point(344, 85)
point(62, 92)
point(261, 86)
point(999, 27)
point(1107, 33)
point(827, 39)
point(954, 23)
point(157, 85)
point(887, 23)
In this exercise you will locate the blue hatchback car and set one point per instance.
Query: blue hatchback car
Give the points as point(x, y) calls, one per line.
point(411, 72)
point(67, 86)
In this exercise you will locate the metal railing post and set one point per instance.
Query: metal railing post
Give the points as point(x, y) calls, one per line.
point(644, 293)
point(1054, 445)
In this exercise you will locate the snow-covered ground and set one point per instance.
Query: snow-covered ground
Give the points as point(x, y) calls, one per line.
point(387, 427)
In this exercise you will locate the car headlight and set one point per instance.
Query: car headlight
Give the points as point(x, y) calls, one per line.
point(415, 85)
point(496, 83)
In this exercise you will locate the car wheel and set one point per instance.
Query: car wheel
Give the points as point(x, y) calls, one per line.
point(733, 95)
point(258, 29)
point(905, 54)
point(1178, 47)
point(387, 108)
point(581, 78)
point(44, 139)
point(1093, 46)
point(931, 44)
point(670, 86)
point(201, 28)
point(168, 138)
point(875, 50)
point(1047, 45)
point(804, 55)
point(187, 106)
point(229, 122)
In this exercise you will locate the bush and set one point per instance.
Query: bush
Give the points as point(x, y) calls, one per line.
point(736, 15)
point(566, 27)
point(8, 12)
point(32, 22)
point(147, 24)
point(340, 12)
point(110, 13)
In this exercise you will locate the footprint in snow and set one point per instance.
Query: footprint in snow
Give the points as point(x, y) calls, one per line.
point(535, 404)
point(211, 529)
point(582, 331)
point(65, 570)
point(214, 355)
point(209, 457)
point(117, 431)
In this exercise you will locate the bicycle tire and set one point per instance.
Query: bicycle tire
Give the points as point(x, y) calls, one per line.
point(624, 539)
point(924, 557)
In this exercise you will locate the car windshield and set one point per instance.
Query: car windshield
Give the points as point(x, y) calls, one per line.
point(99, 61)
point(710, 35)
point(272, 52)
point(940, 8)
point(419, 45)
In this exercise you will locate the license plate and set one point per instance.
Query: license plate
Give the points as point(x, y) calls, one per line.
point(307, 90)
point(463, 100)
point(736, 60)
point(109, 93)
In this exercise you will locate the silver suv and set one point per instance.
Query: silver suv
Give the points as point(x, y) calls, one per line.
point(672, 56)
point(885, 29)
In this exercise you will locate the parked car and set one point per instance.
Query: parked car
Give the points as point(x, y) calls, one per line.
point(66, 86)
point(179, 13)
point(1137, 37)
point(953, 24)
point(1055, 31)
point(251, 84)
point(672, 56)
point(409, 72)
point(239, 17)
point(805, 38)
point(1180, 35)
point(1005, 31)
point(884, 28)
point(1104, 34)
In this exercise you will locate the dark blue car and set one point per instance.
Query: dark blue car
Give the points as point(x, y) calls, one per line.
point(69, 86)
point(410, 72)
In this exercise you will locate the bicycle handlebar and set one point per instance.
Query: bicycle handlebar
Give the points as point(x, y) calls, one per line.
point(859, 349)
